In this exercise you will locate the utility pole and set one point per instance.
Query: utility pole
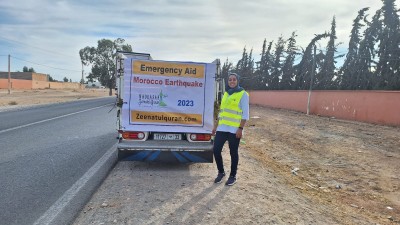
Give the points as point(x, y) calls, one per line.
point(82, 75)
point(311, 80)
point(9, 75)
point(111, 80)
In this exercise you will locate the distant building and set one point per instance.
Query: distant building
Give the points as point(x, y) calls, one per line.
point(29, 80)
point(25, 76)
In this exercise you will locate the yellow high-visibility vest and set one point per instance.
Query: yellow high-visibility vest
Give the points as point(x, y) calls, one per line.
point(230, 114)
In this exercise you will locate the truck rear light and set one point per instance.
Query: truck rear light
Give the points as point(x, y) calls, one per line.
point(200, 137)
point(136, 135)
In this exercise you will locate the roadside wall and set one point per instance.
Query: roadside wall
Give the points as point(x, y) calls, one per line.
point(37, 84)
point(25, 76)
point(16, 84)
point(64, 85)
point(40, 77)
point(379, 107)
point(40, 84)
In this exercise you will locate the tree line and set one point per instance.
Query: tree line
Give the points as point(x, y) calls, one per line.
point(371, 63)
point(51, 79)
point(102, 60)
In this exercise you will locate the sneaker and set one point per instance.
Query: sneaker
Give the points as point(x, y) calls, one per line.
point(219, 178)
point(231, 181)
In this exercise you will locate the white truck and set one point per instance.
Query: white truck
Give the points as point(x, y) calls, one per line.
point(165, 108)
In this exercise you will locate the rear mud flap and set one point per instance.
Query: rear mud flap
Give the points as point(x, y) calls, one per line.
point(166, 156)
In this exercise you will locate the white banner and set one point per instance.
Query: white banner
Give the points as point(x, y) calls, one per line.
point(168, 96)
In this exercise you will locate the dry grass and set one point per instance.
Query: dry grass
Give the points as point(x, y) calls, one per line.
point(46, 96)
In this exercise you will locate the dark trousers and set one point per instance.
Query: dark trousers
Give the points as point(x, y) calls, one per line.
point(219, 141)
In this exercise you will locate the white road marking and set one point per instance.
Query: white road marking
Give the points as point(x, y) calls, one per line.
point(67, 202)
point(54, 118)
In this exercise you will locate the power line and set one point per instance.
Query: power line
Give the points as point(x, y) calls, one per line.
point(21, 43)
point(45, 65)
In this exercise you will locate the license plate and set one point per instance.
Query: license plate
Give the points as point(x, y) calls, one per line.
point(159, 136)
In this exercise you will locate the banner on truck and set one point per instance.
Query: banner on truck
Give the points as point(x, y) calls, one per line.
point(168, 96)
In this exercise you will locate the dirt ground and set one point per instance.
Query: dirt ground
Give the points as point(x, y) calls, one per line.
point(20, 98)
point(293, 169)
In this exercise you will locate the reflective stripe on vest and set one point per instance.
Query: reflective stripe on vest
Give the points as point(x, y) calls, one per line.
point(230, 113)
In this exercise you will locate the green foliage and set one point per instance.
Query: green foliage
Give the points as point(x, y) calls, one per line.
point(288, 71)
point(276, 67)
point(51, 79)
point(65, 79)
point(306, 68)
point(387, 68)
point(324, 79)
point(364, 64)
point(227, 67)
point(245, 69)
point(101, 59)
point(348, 71)
point(372, 61)
point(263, 71)
point(26, 69)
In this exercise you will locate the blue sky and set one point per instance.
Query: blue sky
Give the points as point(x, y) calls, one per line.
point(48, 34)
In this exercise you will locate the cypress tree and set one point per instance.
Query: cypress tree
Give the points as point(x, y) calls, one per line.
point(287, 69)
point(276, 67)
point(304, 68)
point(265, 67)
point(324, 79)
point(364, 77)
point(348, 70)
point(226, 67)
point(258, 74)
point(389, 49)
point(245, 68)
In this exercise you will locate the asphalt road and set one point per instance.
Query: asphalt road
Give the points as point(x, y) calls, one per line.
point(44, 150)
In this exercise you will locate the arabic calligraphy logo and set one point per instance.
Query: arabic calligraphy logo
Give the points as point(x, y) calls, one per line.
point(148, 100)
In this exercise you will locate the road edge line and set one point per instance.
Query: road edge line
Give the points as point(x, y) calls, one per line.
point(67, 207)
point(50, 119)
